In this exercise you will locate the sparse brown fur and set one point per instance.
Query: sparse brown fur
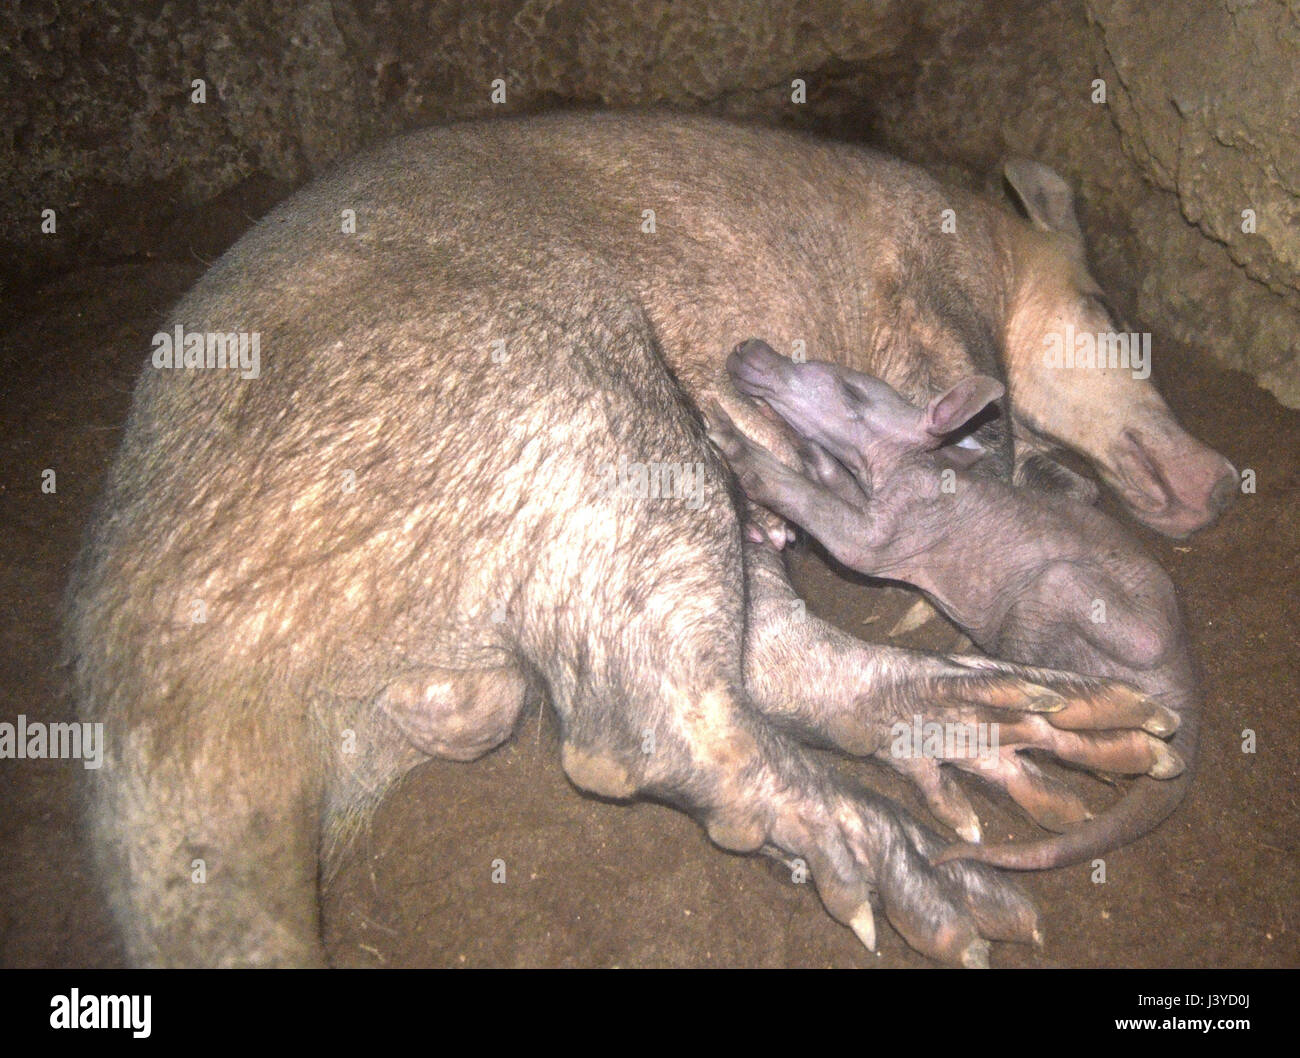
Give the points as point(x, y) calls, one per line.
point(391, 497)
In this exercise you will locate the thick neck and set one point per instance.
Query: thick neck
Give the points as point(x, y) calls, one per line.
point(955, 546)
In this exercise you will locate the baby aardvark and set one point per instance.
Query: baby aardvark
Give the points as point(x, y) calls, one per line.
point(1033, 576)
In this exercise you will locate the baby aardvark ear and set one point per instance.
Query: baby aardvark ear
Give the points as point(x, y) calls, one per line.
point(952, 410)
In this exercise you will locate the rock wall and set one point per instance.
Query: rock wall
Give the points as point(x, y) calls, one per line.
point(1199, 121)
point(1206, 96)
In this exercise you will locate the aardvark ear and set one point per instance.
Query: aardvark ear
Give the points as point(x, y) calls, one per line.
point(1046, 196)
point(952, 410)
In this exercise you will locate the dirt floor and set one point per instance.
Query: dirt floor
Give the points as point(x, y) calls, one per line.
point(589, 883)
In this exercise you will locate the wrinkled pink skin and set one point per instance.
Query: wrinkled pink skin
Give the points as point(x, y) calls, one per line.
point(1184, 485)
point(1023, 571)
point(1165, 478)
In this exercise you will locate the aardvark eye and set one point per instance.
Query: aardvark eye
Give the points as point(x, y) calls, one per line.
point(856, 399)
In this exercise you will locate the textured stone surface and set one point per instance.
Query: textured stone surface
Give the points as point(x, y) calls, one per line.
point(1200, 121)
point(1206, 95)
point(97, 96)
point(1207, 98)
